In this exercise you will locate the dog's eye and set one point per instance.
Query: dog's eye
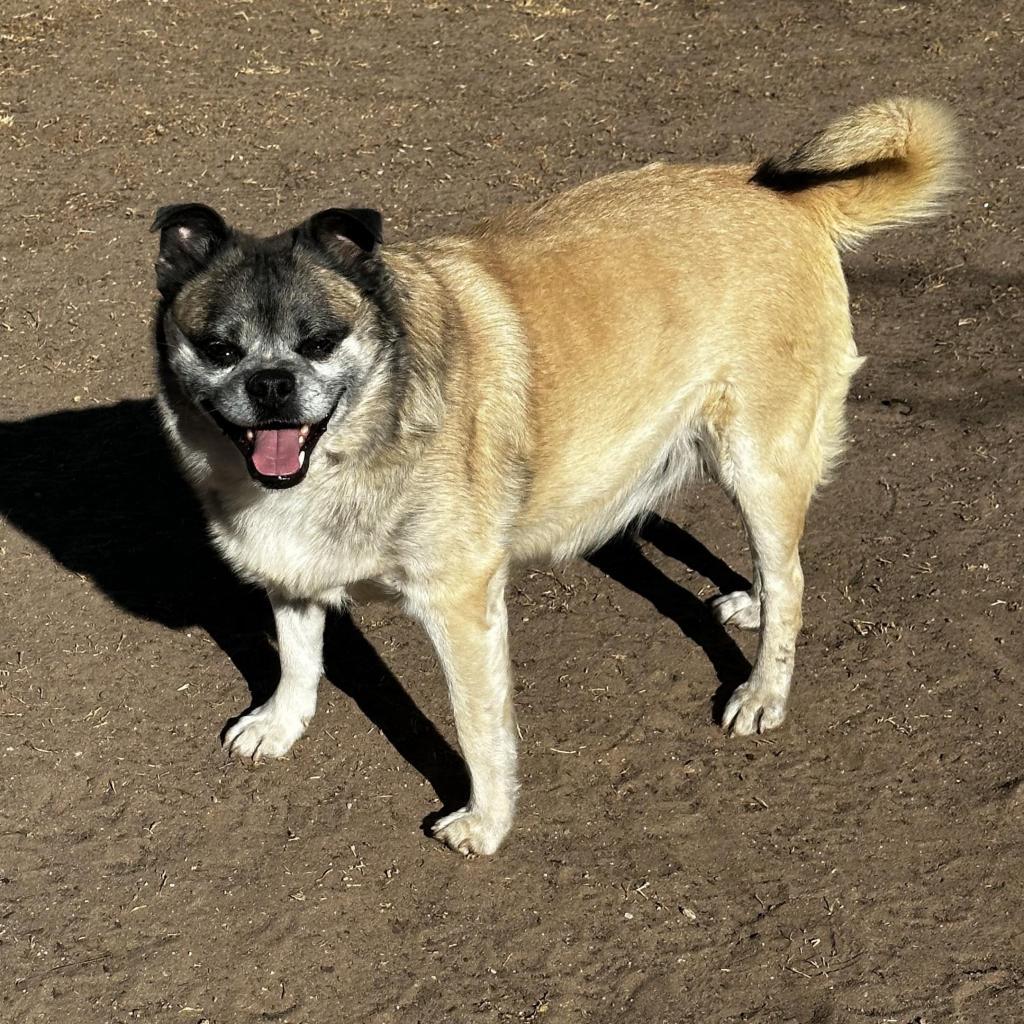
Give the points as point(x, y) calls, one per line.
point(221, 353)
point(318, 346)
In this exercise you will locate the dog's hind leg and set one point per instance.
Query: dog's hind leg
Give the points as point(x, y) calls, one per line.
point(770, 470)
point(770, 459)
point(468, 624)
point(272, 729)
point(773, 509)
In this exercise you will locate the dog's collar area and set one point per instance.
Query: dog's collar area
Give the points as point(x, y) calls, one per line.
point(277, 455)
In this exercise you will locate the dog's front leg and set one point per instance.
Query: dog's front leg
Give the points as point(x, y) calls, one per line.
point(469, 628)
point(271, 729)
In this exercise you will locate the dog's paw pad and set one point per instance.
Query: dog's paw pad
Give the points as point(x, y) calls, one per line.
point(468, 832)
point(740, 608)
point(753, 709)
point(264, 733)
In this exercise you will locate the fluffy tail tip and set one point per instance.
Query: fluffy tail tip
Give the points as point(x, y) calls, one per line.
point(884, 164)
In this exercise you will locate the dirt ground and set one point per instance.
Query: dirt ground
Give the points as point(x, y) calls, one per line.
point(861, 864)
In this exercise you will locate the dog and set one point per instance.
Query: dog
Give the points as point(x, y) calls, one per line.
point(415, 420)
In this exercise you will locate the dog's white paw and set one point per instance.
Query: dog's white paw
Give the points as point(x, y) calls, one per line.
point(467, 832)
point(740, 608)
point(753, 709)
point(269, 731)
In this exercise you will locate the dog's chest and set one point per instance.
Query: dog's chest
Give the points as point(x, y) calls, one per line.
point(296, 549)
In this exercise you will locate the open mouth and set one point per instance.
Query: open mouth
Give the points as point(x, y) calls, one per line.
point(276, 454)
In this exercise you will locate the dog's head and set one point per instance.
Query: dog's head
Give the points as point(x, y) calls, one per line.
point(274, 338)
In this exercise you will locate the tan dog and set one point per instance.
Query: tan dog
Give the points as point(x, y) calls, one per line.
point(425, 416)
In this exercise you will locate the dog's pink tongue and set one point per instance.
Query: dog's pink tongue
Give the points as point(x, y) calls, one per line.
point(276, 452)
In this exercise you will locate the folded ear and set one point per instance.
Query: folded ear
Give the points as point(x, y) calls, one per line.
point(350, 236)
point(190, 235)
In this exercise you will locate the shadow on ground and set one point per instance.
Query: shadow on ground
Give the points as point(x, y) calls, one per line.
point(624, 561)
point(99, 490)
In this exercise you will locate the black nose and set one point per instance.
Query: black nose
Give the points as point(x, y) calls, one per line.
point(271, 388)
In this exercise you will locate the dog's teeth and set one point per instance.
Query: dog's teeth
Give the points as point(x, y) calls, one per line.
point(249, 435)
point(302, 458)
point(304, 431)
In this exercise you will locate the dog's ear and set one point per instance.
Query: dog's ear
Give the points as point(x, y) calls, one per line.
point(350, 237)
point(190, 235)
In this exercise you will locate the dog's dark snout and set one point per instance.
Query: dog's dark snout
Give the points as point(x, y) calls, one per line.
point(271, 388)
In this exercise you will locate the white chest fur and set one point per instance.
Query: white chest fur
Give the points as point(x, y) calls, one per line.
point(296, 542)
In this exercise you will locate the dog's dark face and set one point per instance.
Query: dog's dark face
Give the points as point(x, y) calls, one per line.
point(272, 338)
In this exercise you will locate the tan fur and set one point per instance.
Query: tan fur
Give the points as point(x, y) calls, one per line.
point(573, 363)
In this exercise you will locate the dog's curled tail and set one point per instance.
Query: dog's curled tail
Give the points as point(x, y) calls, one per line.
point(884, 164)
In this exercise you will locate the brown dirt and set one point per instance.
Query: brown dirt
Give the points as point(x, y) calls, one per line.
point(862, 864)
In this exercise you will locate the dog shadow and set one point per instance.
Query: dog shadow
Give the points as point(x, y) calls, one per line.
point(99, 489)
point(625, 562)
